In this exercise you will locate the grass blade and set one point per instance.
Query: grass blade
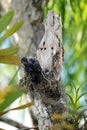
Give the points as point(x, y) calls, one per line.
point(71, 99)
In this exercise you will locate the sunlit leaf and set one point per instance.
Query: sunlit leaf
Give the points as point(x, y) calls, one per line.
point(9, 51)
point(11, 30)
point(5, 20)
point(8, 59)
point(71, 99)
point(79, 107)
point(10, 98)
point(76, 93)
point(18, 108)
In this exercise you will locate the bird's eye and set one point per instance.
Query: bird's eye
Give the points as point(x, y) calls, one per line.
point(41, 49)
point(52, 48)
point(44, 48)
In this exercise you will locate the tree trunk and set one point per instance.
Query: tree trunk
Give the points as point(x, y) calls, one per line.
point(43, 86)
point(29, 36)
point(31, 11)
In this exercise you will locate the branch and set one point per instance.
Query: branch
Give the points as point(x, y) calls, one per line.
point(16, 124)
point(43, 74)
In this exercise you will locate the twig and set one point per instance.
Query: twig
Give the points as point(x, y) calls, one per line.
point(16, 124)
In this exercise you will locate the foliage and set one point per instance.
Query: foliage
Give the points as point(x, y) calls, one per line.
point(9, 94)
point(10, 98)
point(74, 22)
point(6, 54)
point(77, 109)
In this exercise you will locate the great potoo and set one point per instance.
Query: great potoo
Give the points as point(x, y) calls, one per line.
point(50, 53)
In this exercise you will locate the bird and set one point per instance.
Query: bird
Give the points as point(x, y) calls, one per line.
point(43, 73)
point(50, 53)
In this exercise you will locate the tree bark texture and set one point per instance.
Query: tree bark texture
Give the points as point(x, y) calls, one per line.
point(40, 80)
point(47, 94)
point(31, 11)
point(29, 36)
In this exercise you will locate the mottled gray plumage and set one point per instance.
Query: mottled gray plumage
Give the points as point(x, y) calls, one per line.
point(50, 53)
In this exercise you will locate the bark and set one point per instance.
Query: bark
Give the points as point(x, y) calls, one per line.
point(42, 85)
point(31, 11)
point(29, 36)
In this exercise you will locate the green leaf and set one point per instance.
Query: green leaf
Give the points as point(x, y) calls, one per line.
point(9, 51)
point(8, 59)
point(18, 108)
point(76, 93)
point(71, 99)
point(11, 30)
point(79, 107)
point(10, 98)
point(5, 20)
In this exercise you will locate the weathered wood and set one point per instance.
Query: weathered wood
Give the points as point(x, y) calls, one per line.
point(42, 75)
